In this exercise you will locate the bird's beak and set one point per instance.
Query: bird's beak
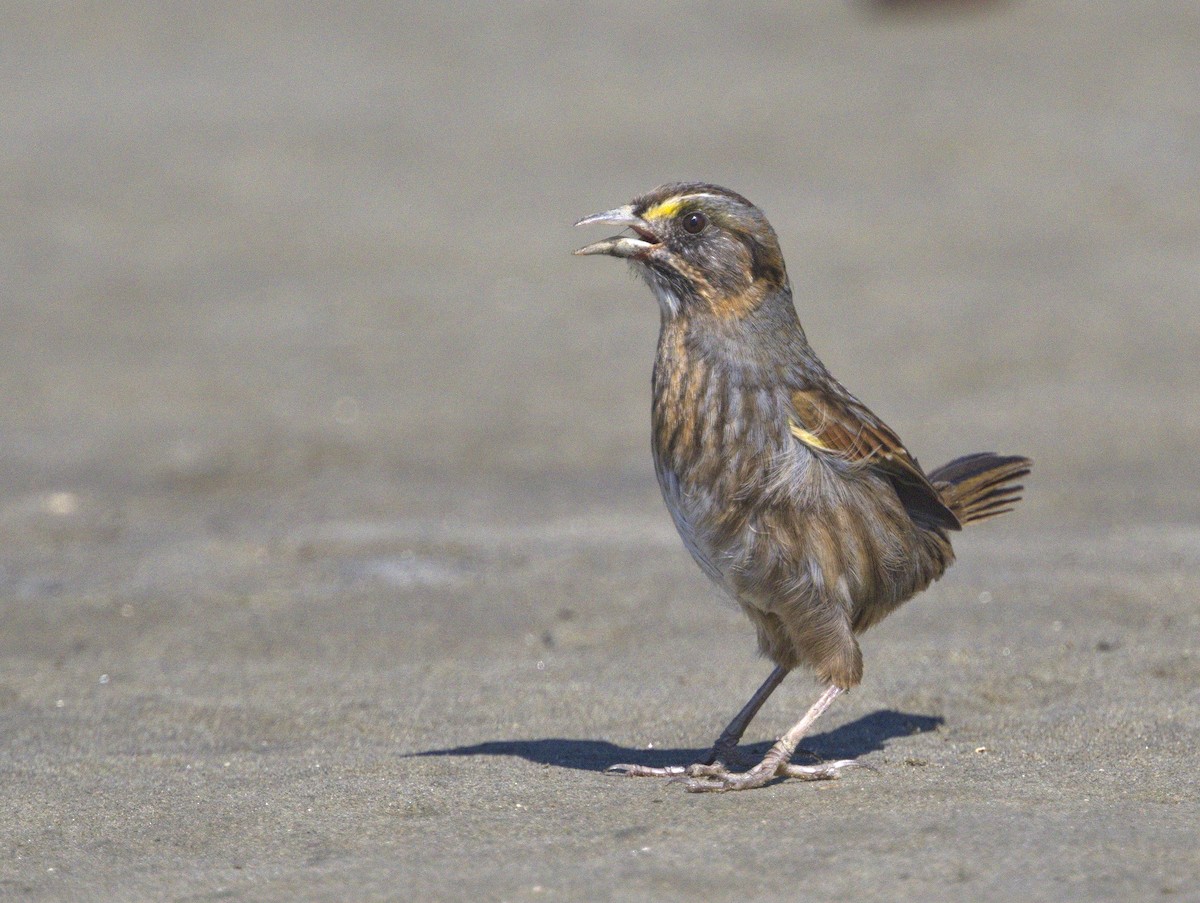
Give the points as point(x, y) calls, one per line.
point(620, 245)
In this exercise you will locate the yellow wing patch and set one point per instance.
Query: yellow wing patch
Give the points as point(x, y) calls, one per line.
point(806, 437)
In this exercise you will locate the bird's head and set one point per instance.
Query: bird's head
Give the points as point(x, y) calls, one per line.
point(699, 246)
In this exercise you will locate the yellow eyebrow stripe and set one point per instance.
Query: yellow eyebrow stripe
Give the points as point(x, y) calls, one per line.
point(664, 209)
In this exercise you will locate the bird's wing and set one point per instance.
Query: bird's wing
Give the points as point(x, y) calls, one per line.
point(839, 426)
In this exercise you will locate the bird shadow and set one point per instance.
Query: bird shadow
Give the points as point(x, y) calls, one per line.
point(868, 734)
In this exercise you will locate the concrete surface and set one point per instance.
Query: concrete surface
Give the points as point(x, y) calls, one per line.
point(331, 561)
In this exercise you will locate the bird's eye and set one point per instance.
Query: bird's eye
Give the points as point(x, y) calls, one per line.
point(694, 223)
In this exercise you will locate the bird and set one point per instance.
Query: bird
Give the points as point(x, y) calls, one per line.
point(791, 495)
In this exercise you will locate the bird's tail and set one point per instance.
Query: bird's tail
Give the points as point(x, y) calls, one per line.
point(976, 487)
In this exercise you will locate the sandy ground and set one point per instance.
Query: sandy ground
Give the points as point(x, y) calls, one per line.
point(331, 561)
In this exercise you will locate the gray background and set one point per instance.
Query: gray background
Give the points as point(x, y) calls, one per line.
point(331, 560)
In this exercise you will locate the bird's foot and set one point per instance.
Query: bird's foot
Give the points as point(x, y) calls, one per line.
point(648, 771)
point(718, 779)
point(714, 760)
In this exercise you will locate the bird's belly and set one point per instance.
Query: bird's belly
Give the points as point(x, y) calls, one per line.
point(810, 548)
point(723, 523)
point(689, 512)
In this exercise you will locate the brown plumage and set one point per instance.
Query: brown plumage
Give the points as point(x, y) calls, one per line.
point(788, 491)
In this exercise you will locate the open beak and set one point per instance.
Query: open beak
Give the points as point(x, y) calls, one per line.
point(634, 245)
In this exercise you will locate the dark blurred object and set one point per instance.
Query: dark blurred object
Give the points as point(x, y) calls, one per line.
point(932, 7)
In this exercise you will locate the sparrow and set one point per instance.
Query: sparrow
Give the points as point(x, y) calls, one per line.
point(791, 495)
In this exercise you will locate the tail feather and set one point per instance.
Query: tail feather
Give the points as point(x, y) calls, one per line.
point(976, 487)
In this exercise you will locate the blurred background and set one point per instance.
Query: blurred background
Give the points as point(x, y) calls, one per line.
point(263, 246)
point(307, 407)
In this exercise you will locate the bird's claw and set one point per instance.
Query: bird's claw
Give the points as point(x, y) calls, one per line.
point(718, 779)
point(698, 769)
point(715, 776)
point(645, 771)
point(711, 764)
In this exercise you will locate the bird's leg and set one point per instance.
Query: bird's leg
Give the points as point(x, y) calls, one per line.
point(725, 749)
point(776, 763)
